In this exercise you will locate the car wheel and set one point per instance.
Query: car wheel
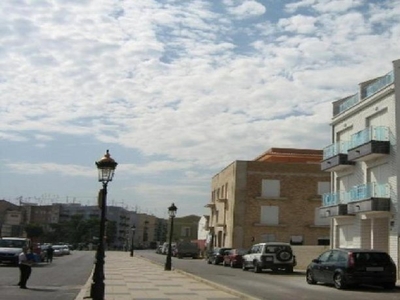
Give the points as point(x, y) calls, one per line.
point(224, 263)
point(257, 268)
point(283, 255)
point(309, 278)
point(232, 264)
point(209, 261)
point(215, 261)
point(244, 267)
point(339, 281)
point(389, 285)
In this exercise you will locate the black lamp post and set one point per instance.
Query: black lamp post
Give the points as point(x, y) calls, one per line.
point(171, 211)
point(106, 167)
point(132, 238)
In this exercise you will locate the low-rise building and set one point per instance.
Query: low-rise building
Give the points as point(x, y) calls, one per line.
point(272, 198)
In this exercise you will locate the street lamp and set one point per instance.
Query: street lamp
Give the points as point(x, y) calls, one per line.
point(171, 211)
point(106, 167)
point(132, 238)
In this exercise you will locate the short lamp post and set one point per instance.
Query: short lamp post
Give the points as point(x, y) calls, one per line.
point(106, 168)
point(172, 212)
point(133, 228)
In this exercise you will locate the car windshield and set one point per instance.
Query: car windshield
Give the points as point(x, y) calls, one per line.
point(12, 243)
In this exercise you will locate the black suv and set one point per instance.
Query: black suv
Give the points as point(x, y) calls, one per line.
point(345, 267)
point(216, 256)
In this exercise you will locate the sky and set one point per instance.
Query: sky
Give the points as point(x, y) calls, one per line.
point(175, 89)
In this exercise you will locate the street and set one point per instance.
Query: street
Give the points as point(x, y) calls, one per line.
point(268, 285)
point(60, 280)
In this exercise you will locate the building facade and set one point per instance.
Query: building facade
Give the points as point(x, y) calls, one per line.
point(272, 198)
point(363, 204)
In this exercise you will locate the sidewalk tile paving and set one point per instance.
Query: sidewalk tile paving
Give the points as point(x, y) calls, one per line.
point(135, 278)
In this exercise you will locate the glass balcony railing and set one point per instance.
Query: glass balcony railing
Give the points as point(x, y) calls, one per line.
point(366, 92)
point(378, 84)
point(341, 197)
point(370, 190)
point(351, 101)
point(335, 149)
point(357, 193)
point(373, 133)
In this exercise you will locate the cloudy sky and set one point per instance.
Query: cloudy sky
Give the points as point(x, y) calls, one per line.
point(175, 89)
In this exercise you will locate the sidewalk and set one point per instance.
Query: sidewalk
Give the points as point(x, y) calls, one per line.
point(135, 278)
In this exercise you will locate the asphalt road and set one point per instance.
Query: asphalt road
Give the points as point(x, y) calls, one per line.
point(60, 280)
point(268, 285)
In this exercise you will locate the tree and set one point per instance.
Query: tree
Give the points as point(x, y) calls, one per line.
point(33, 231)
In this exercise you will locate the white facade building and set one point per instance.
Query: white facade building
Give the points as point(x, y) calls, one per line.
point(364, 161)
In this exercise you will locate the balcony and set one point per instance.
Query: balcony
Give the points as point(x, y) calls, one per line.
point(335, 157)
point(333, 205)
point(369, 197)
point(370, 143)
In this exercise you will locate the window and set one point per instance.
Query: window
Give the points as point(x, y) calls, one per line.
point(185, 231)
point(324, 256)
point(269, 215)
point(296, 240)
point(270, 188)
point(324, 187)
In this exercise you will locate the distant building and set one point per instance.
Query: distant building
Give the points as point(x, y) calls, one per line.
point(185, 228)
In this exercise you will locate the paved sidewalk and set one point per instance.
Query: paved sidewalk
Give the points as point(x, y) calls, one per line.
point(135, 278)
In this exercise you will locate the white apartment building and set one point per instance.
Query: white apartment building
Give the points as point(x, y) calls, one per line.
point(364, 162)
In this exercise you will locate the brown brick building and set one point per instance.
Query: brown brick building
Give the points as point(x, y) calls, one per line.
point(272, 198)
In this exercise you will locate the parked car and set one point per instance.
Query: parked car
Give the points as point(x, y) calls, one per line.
point(65, 250)
point(346, 267)
point(164, 249)
point(234, 257)
point(159, 249)
point(274, 255)
point(216, 255)
point(58, 250)
point(11, 247)
point(186, 249)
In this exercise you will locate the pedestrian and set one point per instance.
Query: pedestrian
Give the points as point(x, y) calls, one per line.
point(50, 252)
point(25, 261)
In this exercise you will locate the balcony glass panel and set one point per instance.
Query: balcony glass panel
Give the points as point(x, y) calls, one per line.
point(341, 197)
point(351, 101)
point(335, 149)
point(373, 133)
point(369, 190)
point(379, 84)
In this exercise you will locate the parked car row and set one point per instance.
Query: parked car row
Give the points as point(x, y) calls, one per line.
point(180, 250)
point(341, 267)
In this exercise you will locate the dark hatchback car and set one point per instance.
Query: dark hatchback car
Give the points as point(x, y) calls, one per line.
point(352, 267)
point(216, 255)
point(234, 258)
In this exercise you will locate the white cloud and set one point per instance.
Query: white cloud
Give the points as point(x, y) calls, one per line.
point(182, 84)
point(246, 9)
point(299, 24)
